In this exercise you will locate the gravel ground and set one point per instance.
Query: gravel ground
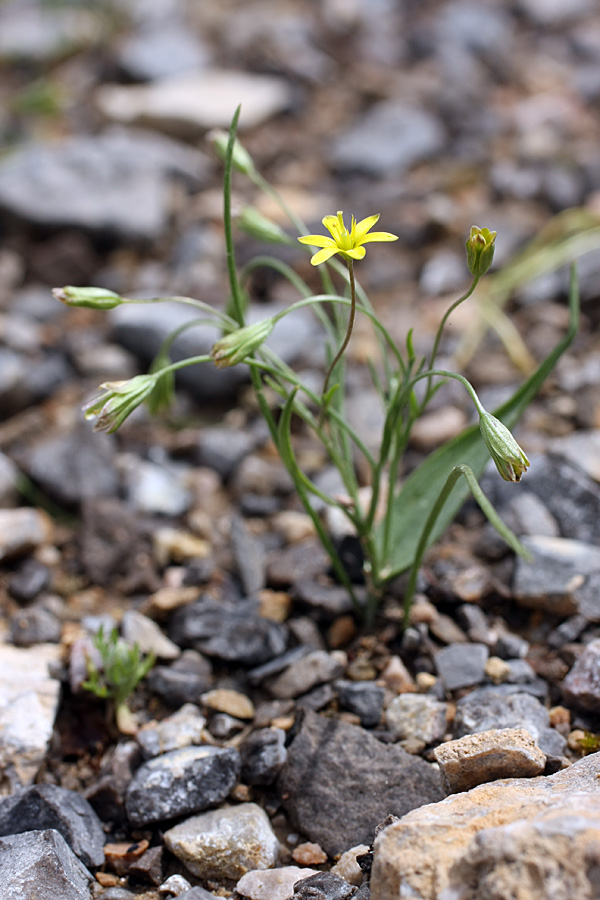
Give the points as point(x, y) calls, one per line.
point(274, 736)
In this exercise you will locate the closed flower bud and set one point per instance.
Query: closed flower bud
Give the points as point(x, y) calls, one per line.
point(510, 460)
point(120, 398)
point(89, 297)
point(257, 225)
point(241, 159)
point(234, 347)
point(480, 250)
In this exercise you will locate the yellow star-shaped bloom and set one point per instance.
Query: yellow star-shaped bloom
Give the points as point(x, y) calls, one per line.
point(349, 244)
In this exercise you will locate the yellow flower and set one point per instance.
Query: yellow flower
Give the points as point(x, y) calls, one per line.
point(349, 244)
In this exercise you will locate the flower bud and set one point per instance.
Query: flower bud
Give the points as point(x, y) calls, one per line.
point(234, 347)
point(89, 297)
point(480, 250)
point(241, 159)
point(257, 225)
point(119, 399)
point(510, 460)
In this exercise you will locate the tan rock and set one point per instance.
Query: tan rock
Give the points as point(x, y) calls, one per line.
point(348, 868)
point(231, 702)
point(487, 756)
point(497, 670)
point(437, 852)
point(309, 854)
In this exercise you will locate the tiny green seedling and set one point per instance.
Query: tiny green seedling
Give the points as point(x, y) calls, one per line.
point(121, 669)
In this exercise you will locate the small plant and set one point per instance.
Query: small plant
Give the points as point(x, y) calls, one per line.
point(121, 669)
point(399, 520)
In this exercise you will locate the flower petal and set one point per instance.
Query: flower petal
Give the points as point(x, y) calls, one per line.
point(378, 236)
point(317, 240)
point(364, 225)
point(323, 255)
point(356, 253)
point(332, 224)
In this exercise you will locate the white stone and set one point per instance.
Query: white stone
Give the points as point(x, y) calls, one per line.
point(29, 699)
point(273, 884)
point(225, 843)
point(416, 716)
point(193, 103)
point(139, 629)
point(183, 729)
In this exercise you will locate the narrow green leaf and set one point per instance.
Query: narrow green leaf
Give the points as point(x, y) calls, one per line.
point(416, 499)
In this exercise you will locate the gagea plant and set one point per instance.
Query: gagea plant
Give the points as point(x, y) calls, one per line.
point(395, 521)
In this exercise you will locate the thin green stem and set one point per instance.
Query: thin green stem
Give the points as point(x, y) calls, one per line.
point(441, 326)
point(234, 286)
point(346, 341)
point(183, 363)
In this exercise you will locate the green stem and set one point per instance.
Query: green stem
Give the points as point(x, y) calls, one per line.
point(183, 363)
point(442, 325)
point(346, 341)
point(236, 294)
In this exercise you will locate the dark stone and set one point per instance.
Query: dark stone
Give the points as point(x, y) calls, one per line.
point(34, 626)
point(199, 571)
point(567, 632)
point(160, 49)
point(248, 556)
point(74, 465)
point(316, 699)
point(258, 505)
point(570, 495)
point(177, 686)
point(491, 708)
point(581, 687)
point(222, 449)
point(339, 782)
point(331, 599)
point(41, 864)
point(180, 783)
point(107, 794)
point(116, 182)
point(149, 867)
point(323, 886)
point(554, 746)
point(263, 754)
point(461, 665)
point(511, 646)
point(231, 632)
point(277, 664)
point(304, 560)
point(30, 580)
point(363, 698)
point(400, 135)
point(47, 806)
point(112, 543)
